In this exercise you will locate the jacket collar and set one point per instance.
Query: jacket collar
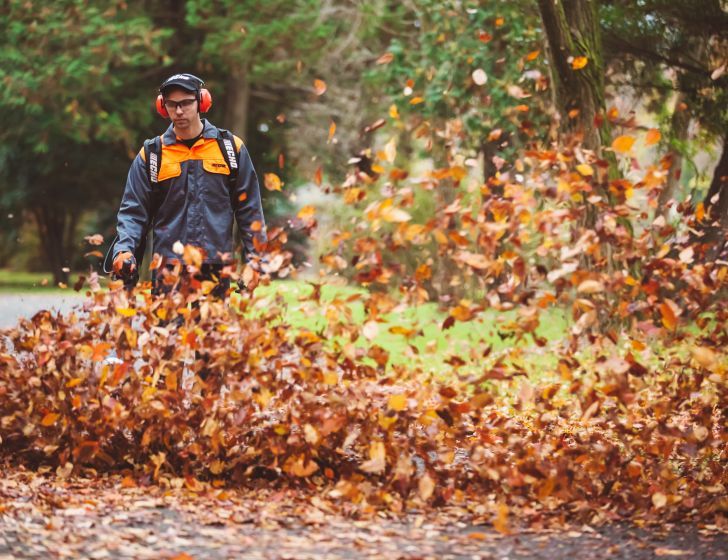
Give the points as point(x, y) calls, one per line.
point(209, 130)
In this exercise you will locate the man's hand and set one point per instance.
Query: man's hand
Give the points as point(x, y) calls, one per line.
point(125, 265)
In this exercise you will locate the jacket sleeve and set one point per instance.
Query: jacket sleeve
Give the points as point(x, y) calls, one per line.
point(247, 205)
point(133, 216)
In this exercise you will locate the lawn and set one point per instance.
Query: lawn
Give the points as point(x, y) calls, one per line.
point(14, 281)
point(416, 336)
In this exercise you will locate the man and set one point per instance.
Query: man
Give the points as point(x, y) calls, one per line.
point(186, 187)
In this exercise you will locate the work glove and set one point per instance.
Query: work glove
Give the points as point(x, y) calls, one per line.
point(125, 267)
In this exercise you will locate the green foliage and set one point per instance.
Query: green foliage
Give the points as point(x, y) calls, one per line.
point(438, 69)
point(663, 47)
point(71, 101)
point(271, 38)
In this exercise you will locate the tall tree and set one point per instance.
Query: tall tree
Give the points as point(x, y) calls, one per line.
point(575, 50)
point(70, 100)
point(678, 50)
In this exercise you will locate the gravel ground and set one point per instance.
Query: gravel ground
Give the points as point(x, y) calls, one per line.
point(45, 516)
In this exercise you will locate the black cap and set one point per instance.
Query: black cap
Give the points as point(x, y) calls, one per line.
point(189, 82)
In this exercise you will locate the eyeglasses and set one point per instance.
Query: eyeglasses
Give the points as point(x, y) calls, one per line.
point(183, 104)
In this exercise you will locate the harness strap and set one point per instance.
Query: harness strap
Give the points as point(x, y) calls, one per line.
point(226, 143)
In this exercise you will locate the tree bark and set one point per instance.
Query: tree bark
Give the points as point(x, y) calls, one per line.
point(237, 93)
point(716, 205)
point(572, 30)
point(56, 229)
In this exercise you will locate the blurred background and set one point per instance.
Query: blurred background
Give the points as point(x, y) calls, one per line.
point(306, 84)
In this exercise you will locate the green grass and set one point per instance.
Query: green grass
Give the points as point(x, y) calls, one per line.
point(429, 347)
point(12, 281)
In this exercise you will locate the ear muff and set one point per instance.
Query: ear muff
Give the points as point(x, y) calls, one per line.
point(205, 100)
point(161, 109)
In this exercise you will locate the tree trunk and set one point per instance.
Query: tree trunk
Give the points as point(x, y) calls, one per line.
point(56, 228)
point(716, 205)
point(572, 31)
point(237, 92)
point(680, 123)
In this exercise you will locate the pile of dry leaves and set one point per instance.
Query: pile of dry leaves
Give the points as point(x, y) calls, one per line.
point(187, 390)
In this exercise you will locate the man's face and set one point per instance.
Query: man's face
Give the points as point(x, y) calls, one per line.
point(182, 107)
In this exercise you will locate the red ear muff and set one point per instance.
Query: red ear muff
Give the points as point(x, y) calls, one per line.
point(205, 100)
point(161, 109)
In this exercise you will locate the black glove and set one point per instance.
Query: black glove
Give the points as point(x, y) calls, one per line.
point(125, 268)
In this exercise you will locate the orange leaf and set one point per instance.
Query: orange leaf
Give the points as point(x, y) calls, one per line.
point(332, 131)
point(585, 170)
point(623, 144)
point(318, 176)
point(126, 311)
point(700, 212)
point(485, 37)
point(272, 182)
point(668, 316)
point(500, 523)
point(417, 100)
point(579, 62)
point(50, 419)
point(319, 86)
point(397, 402)
point(100, 351)
point(307, 212)
point(653, 137)
point(386, 58)
point(499, 21)
point(533, 55)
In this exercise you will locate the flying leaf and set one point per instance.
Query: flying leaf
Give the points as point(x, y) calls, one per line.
point(397, 402)
point(332, 131)
point(307, 212)
point(425, 487)
point(390, 150)
point(590, 287)
point(585, 170)
point(397, 215)
point(652, 137)
point(480, 77)
point(659, 500)
point(500, 523)
point(377, 458)
point(579, 62)
point(272, 182)
point(50, 419)
point(95, 239)
point(319, 86)
point(126, 311)
point(669, 319)
point(386, 58)
point(370, 330)
point(623, 144)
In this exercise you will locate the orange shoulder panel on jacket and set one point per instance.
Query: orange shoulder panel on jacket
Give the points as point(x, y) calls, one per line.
point(238, 142)
point(141, 153)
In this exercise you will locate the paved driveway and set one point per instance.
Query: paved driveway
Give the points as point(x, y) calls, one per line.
point(13, 306)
